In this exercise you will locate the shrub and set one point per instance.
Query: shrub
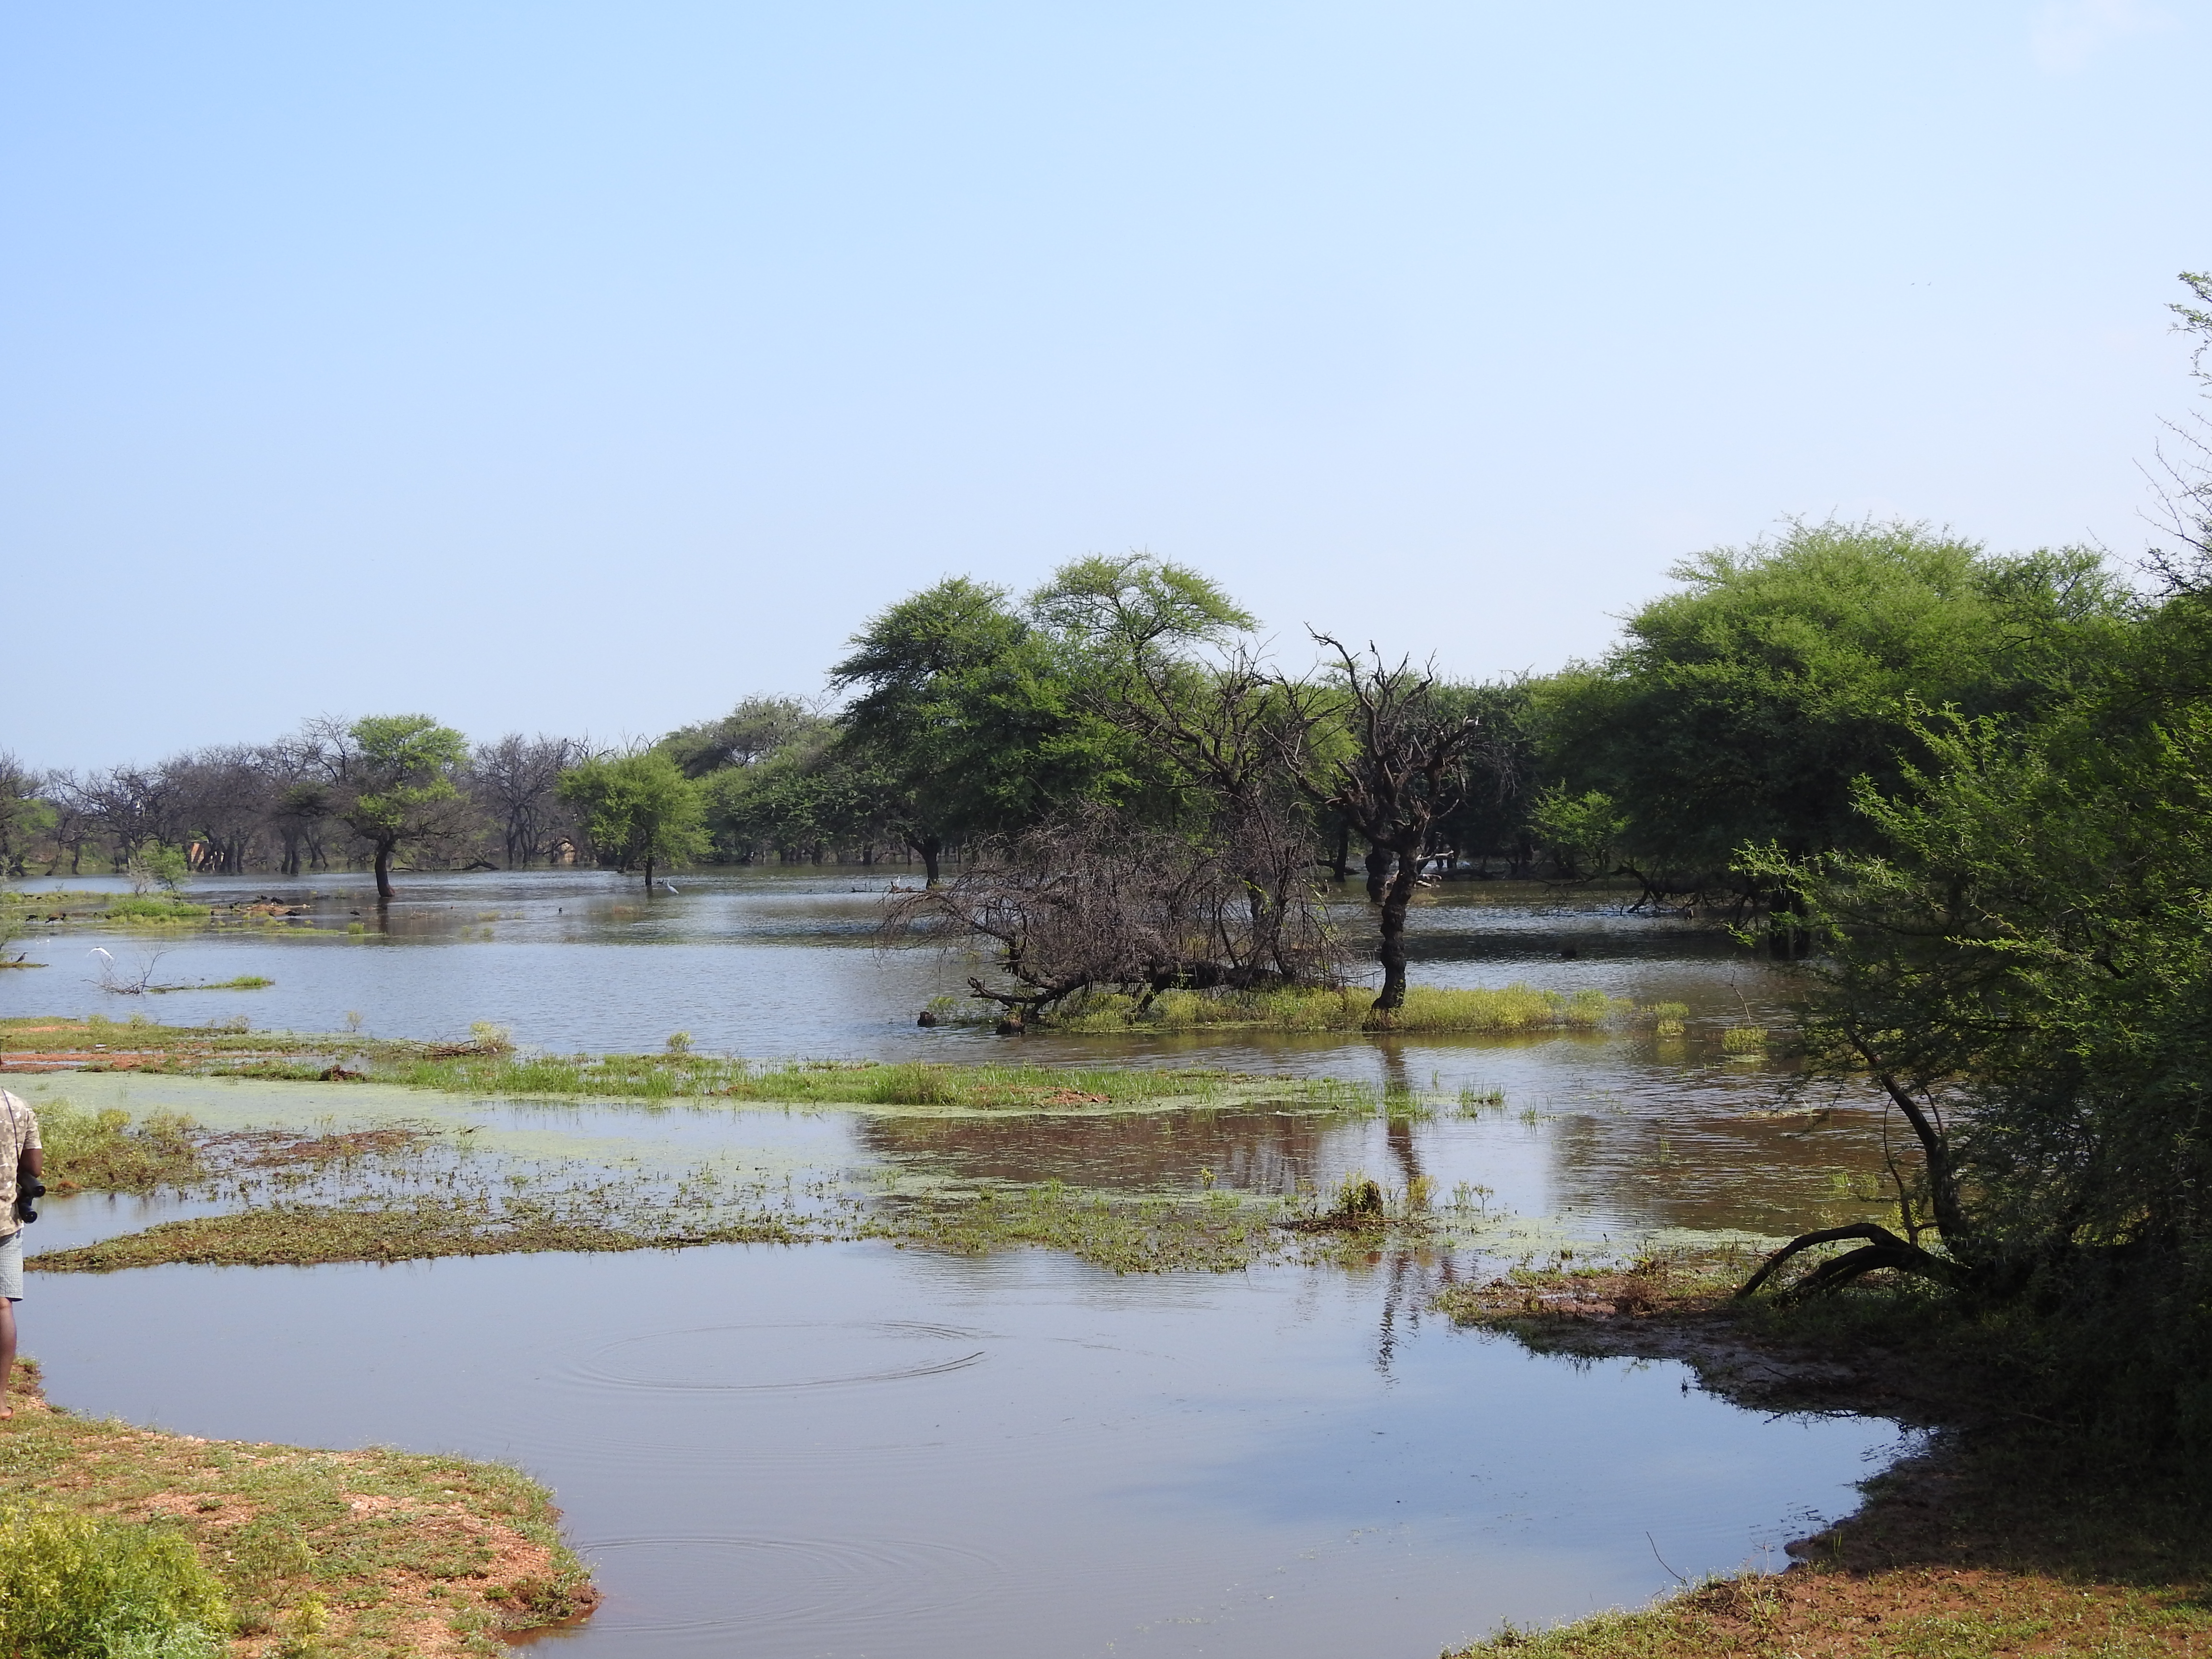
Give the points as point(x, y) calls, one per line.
point(75, 1587)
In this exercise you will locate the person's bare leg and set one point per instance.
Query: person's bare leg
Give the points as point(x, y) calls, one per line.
point(7, 1353)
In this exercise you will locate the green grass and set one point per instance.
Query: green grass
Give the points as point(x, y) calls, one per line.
point(1510, 1009)
point(302, 1235)
point(146, 908)
point(353, 1555)
point(102, 1151)
point(242, 983)
point(487, 1065)
point(686, 1076)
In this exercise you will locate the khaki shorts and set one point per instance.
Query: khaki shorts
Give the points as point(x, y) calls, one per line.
point(11, 1266)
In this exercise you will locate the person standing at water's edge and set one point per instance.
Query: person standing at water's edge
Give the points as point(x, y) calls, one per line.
point(25, 1162)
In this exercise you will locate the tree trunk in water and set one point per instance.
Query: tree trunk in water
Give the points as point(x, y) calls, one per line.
point(1394, 901)
point(929, 847)
point(648, 874)
point(1341, 863)
point(1378, 865)
point(382, 871)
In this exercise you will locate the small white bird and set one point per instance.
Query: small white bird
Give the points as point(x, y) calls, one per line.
point(669, 884)
point(101, 954)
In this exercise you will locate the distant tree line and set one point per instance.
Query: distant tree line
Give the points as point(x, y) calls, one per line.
point(1741, 708)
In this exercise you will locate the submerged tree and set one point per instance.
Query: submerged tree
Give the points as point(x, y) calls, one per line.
point(1091, 902)
point(639, 810)
point(393, 781)
point(1402, 769)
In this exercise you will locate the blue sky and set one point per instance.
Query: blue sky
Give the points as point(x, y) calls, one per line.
point(570, 368)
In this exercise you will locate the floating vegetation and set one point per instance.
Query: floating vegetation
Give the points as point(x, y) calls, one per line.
point(144, 909)
point(684, 1075)
point(1746, 1040)
point(364, 1553)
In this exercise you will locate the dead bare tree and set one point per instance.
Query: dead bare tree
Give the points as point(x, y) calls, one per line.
point(1091, 902)
point(517, 782)
point(1404, 769)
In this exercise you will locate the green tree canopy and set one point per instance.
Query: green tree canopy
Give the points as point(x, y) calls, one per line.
point(971, 719)
point(396, 783)
point(639, 810)
point(1743, 708)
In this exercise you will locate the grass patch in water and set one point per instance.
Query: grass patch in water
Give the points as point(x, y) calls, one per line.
point(241, 982)
point(487, 1065)
point(348, 1554)
point(307, 1234)
point(1509, 1009)
point(1220, 1232)
point(145, 910)
point(670, 1076)
point(102, 1151)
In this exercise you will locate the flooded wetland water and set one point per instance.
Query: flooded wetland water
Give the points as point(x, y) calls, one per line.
point(872, 1446)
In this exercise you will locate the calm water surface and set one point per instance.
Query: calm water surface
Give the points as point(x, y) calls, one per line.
point(855, 1449)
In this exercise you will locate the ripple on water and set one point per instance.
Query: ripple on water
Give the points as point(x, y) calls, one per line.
point(759, 1358)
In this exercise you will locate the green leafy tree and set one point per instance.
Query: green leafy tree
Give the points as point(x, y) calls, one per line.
point(396, 783)
point(639, 810)
point(1578, 830)
point(23, 816)
point(758, 729)
point(1741, 708)
point(971, 719)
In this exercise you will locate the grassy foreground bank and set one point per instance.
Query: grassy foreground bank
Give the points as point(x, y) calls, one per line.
point(2007, 1536)
point(349, 1555)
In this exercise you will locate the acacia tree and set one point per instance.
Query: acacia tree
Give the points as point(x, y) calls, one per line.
point(393, 783)
point(1402, 770)
point(971, 719)
point(638, 809)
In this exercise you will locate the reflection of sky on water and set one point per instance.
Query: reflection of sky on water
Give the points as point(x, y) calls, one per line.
point(854, 1448)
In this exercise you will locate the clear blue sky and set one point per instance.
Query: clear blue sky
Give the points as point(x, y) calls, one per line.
point(553, 367)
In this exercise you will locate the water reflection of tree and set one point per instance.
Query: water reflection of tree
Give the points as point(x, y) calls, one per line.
point(1718, 1165)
